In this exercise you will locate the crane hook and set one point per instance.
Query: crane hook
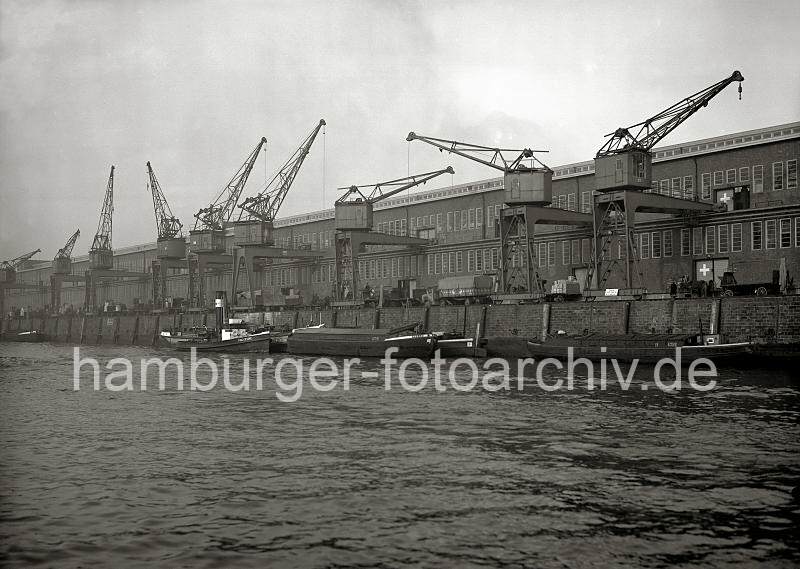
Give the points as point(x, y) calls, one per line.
point(740, 90)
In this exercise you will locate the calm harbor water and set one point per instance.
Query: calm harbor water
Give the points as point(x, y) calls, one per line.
point(369, 477)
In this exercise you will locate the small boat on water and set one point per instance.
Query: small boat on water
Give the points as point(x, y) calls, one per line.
point(648, 348)
point(362, 342)
point(32, 336)
point(235, 336)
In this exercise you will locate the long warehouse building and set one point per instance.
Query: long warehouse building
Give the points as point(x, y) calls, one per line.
point(754, 231)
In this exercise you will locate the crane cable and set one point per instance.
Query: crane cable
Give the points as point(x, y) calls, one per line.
point(324, 160)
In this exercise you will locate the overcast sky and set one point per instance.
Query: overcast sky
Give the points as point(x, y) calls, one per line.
point(192, 86)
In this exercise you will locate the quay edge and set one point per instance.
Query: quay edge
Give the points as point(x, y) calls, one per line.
point(764, 319)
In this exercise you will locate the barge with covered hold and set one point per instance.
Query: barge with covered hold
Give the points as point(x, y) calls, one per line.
point(647, 348)
point(362, 342)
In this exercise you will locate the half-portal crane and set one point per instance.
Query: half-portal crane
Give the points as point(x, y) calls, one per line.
point(623, 178)
point(101, 255)
point(255, 224)
point(207, 240)
point(8, 269)
point(528, 189)
point(524, 183)
point(625, 162)
point(62, 262)
point(210, 222)
point(170, 239)
point(170, 242)
point(62, 270)
point(354, 221)
point(8, 278)
point(254, 230)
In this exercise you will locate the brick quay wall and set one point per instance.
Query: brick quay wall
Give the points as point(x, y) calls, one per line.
point(763, 319)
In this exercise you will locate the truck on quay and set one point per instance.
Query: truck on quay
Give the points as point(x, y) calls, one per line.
point(468, 289)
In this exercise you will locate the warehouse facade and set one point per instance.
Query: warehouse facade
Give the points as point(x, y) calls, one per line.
point(754, 231)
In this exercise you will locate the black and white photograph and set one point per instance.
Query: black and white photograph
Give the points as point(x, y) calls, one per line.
point(399, 284)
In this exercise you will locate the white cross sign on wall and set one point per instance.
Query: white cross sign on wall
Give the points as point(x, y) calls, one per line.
point(725, 198)
point(705, 269)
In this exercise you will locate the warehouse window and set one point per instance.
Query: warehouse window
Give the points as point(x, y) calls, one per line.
point(730, 176)
point(644, 252)
point(459, 262)
point(438, 221)
point(758, 179)
point(456, 220)
point(667, 235)
point(688, 187)
point(665, 187)
point(710, 233)
point(487, 259)
point(655, 239)
point(470, 261)
point(777, 175)
point(479, 260)
point(437, 264)
point(706, 188)
point(449, 221)
point(478, 217)
point(676, 187)
point(471, 218)
point(394, 267)
point(586, 251)
point(772, 233)
point(586, 202)
point(464, 220)
point(653, 187)
point(571, 202)
point(797, 231)
point(791, 175)
point(756, 237)
point(403, 226)
point(744, 174)
point(541, 261)
point(430, 264)
point(575, 246)
point(562, 201)
point(736, 238)
point(495, 259)
point(719, 178)
point(385, 263)
point(685, 243)
point(551, 254)
point(786, 233)
point(697, 241)
point(722, 238)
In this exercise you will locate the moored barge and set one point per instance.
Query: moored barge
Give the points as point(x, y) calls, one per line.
point(647, 348)
point(361, 342)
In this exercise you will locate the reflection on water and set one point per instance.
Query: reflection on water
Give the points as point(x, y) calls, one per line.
point(373, 477)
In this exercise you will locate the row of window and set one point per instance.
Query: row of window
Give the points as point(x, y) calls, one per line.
point(779, 233)
point(784, 177)
point(768, 234)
